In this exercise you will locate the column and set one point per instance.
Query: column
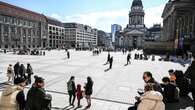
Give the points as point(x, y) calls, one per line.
point(193, 25)
point(2, 35)
point(27, 37)
point(21, 37)
point(9, 37)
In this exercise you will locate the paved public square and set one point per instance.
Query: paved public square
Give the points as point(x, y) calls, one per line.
point(113, 90)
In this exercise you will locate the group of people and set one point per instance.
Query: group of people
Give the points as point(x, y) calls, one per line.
point(96, 52)
point(13, 97)
point(76, 91)
point(19, 70)
point(156, 95)
point(138, 56)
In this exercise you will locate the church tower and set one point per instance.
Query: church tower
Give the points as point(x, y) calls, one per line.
point(136, 15)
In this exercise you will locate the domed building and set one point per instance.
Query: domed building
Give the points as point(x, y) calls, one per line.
point(133, 35)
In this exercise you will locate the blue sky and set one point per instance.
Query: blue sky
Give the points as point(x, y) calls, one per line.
point(96, 13)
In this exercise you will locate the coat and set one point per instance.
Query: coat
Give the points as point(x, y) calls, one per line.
point(190, 73)
point(37, 99)
point(8, 98)
point(151, 100)
point(89, 88)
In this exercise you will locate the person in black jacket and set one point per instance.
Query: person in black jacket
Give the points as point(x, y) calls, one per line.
point(190, 73)
point(182, 82)
point(128, 58)
point(108, 58)
point(89, 91)
point(111, 61)
point(16, 69)
point(71, 90)
point(22, 71)
point(148, 78)
point(170, 91)
point(37, 99)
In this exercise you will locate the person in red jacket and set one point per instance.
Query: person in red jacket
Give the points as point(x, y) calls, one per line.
point(79, 94)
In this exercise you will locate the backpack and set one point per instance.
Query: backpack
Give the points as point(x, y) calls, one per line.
point(69, 86)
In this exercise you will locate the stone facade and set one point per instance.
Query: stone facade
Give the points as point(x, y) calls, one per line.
point(80, 36)
point(134, 33)
point(21, 28)
point(179, 23)
point(56, 33)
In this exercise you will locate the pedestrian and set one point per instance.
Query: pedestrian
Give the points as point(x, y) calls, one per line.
point(16, 69)
point(68, 54)
point(153, 58)
point(13, 98)
point(43, 53)
point(151, 99)
point(37, 99)
point(111, 61)
point(148, 78)
point(190, 73)
point(10, 74)
point(88, 91)
point(128, 58)
point(108, 58)
point(79, 94)
point(22, 71)
point(29, 72)
point(71, 90)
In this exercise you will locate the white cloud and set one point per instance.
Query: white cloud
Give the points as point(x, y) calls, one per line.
point(103, 20)
point(153, 15)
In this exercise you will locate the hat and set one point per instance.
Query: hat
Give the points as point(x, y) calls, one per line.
point(19, 80)
point(39, 79)
point(171, 71)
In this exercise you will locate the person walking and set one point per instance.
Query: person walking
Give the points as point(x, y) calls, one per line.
point(68, 54)
point(111, 61)
point(108, 58)
point(71, 90)
point(29, 72)
point(88, 91)
point(190, 74)
point(10, 74)
point(16, 69)
point(37, 99)
point(13, 98)
point(128, 58)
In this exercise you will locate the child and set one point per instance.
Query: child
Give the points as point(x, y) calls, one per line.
point(172, 76)
point(79, 94)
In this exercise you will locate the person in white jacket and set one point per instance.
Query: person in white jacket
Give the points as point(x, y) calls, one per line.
point(151, 100)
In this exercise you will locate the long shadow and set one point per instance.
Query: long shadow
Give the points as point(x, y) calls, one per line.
point(126, 65)
point(183, 103)
point(105, 64)
point(78, 108)
point(68, 107)
point(106, 70)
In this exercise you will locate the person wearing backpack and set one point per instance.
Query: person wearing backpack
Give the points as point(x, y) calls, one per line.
point(71, 90)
